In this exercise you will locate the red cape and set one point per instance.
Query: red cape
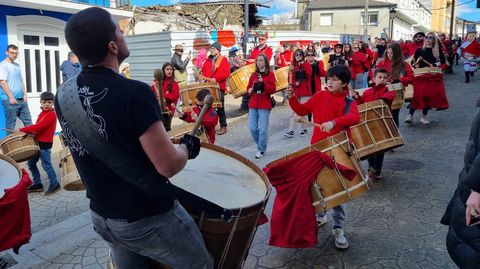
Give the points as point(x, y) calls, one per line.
point(15, 212)
point(293, 223)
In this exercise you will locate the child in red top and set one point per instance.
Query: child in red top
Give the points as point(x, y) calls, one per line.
point(301, 85)
point(210, 119)
point(378, 91)
point(260, 86)
point(335, 112)
point(44, 130)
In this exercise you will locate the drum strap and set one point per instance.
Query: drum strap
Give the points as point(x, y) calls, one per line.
point(348, 101)
point(130, 169)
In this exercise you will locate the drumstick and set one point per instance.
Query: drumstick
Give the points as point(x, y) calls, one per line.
point(304, 121)
point(8, 130)
point(208, 101)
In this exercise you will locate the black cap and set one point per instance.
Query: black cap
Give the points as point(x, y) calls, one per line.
point(419, 33)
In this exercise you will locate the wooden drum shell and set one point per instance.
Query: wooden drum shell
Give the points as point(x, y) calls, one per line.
point(188, 95)
point(238, 80)
point(69, 177)
point(331, 185)
point(376, 132)
point(20, 146)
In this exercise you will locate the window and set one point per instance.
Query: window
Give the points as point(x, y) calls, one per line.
point(51, 41)
point(372, 18)
point(31, 40)
point(326, 19)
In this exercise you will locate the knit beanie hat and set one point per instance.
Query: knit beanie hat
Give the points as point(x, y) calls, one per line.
point(217, 45)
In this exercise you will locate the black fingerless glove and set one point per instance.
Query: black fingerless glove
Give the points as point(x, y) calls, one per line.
point(193, 145)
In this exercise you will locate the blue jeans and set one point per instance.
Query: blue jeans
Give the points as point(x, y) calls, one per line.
point(339, 216)
point(171, 238)
point(258, 125)
point(19, 110)
point(46, 158)
point(359, 81)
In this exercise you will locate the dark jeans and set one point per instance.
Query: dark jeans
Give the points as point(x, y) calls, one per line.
point(221, 110)
point(425, 111)
point(376, 162)
point(396, 115)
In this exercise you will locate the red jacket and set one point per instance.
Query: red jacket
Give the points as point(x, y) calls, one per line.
point(370, 58)
point(44, 127)
point(256, 51)
point(386, 64)
point(209, 121)
point(376, 93)
point(473, 48)
point(317, 77)
point(262, 100)
point(410, 48)
point(220, 72)
point(359, 60)
point(303, 88)
point(326, 106)
point(171, 97)
point(285, 58)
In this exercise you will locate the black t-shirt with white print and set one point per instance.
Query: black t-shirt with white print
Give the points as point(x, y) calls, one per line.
point(121, 110)
point(336, 60)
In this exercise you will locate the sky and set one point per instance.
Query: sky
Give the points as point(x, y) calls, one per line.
point(467, 11)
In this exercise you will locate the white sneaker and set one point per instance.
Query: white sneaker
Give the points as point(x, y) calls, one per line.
point(408, 119)
point(424, 120)
point(321, 220)
point(289, 134)
point(259, 155)
point(340, 240)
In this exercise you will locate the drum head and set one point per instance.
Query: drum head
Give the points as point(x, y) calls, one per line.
point(9, 174)
point(221, 178)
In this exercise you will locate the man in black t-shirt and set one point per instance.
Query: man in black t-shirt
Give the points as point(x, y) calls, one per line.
point(337, 58)
point(137, 224)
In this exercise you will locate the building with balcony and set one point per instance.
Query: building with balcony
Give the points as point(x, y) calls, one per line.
point(400, 18)
point(37, 28)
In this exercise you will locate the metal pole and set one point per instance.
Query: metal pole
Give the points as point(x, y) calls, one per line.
point(452, 19)
point(245, 28)
point(366, 18)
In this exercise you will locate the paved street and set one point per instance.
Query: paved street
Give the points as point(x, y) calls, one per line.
point(394, 225)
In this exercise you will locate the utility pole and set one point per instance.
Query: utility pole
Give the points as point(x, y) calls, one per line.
point(452, 19)
point(366, 18)
point(245, 28)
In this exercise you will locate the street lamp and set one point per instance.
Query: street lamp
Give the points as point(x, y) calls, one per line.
point(392, 19)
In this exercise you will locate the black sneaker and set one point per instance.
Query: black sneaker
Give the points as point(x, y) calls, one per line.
point(52, 189)
point(303, 133)
point(35, 188)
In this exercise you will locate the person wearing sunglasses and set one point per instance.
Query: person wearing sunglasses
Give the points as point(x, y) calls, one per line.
point(337, 57)
point(359, 63)
point(429, 90)
point(417, 43)
point(318, 71)
point(301, 76)
point(261, 48)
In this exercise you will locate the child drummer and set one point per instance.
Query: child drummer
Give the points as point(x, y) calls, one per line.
point(210, 119)
point(335, 112)
point(44, 130)
point(378, 91)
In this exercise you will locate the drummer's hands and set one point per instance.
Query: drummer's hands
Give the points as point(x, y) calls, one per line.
point(473, 206)
point(327, 126)
point(212, 80)
point(194, 116)
point(250, 90)
point(193, 145)
point(289, 92)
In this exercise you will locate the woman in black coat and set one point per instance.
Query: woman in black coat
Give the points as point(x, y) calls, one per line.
point(463, 238)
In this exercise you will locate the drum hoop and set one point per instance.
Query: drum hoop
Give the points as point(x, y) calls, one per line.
point(13, 136)
point(13, 163)
point(200, 85)
point(246, 162)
